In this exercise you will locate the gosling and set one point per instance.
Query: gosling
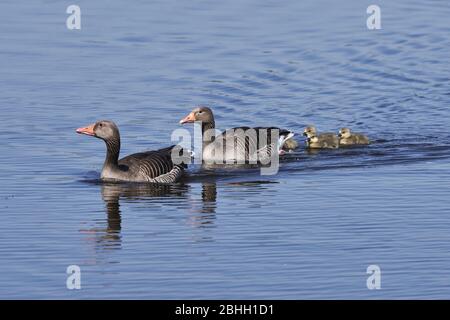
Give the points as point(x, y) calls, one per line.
point(290, 144)
point(348, 138)
point(321, 141)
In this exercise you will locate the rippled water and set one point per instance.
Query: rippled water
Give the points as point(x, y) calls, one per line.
point(308, 232)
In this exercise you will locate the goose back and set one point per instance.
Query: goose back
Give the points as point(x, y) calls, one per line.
point(151, 166)
point(244, 145)
point(323, 141)
point(355, 139)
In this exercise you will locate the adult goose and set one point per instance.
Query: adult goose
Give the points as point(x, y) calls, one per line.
point(348, 138)
point(320, 141)
point(151, 166)
point(239, 145)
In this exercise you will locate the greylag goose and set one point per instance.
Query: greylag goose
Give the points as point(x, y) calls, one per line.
point(347, 138)
point(239, 145)
point(151, 166)
point(320, 141)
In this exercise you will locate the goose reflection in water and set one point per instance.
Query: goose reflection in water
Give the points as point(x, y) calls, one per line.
point(109, 237)
point(112, 193)
point(195, 203)
point(203, 214)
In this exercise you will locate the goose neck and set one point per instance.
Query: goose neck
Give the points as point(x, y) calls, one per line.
point(112, 153)
point(208, 137)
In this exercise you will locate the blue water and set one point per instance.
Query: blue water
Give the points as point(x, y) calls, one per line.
point(308, 232)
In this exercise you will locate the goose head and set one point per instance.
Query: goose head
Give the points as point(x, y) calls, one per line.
point(344, 133)
point(104, 129)
point(310, 132)
point(203, 114)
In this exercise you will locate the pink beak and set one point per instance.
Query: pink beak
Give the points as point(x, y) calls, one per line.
point(188, 119)
point(89, 130)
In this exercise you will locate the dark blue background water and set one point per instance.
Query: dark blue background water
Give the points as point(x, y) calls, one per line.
point(308, 232)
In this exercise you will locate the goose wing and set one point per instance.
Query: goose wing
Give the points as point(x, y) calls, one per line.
point(153, 166)
point(248, 143)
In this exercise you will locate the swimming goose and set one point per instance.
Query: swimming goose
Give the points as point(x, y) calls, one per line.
point(238, 145)
point(150, 166)
point(347, 138)
point(320, 141)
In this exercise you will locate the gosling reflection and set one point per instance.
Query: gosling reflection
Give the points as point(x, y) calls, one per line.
point(313, 151)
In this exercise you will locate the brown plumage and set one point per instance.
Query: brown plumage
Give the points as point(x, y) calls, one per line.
point(347, 138)
point(320, 141)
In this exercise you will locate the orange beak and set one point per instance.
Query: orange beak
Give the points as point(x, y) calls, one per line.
point(89, 130)
point(188, 119)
